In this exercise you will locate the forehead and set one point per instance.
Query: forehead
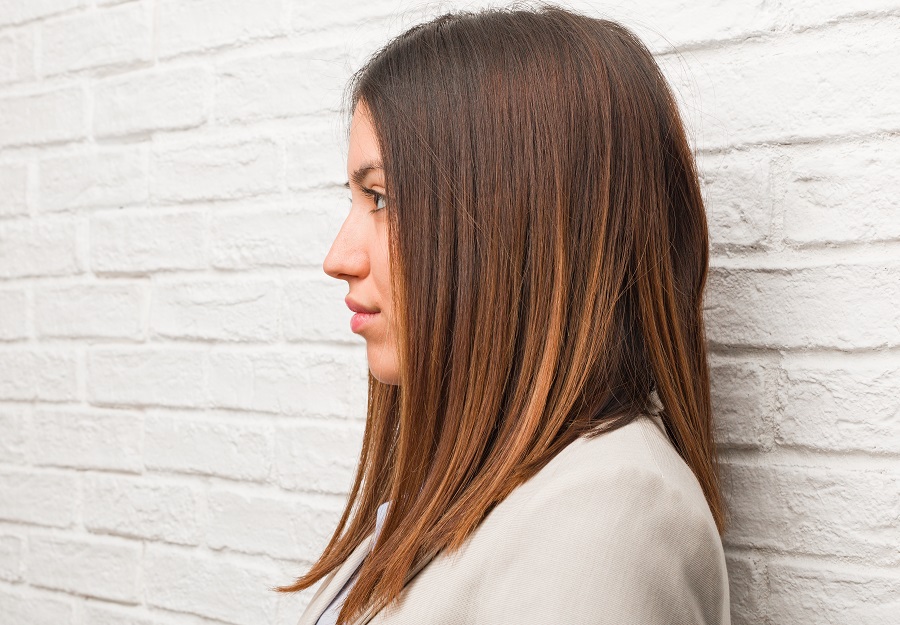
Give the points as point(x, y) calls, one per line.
point(363, 144)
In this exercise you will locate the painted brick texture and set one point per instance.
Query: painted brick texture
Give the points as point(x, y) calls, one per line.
point(181, 400)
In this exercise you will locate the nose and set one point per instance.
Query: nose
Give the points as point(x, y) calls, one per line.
point(347, 257)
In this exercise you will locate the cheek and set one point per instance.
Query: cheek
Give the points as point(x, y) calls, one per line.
point(381, 269)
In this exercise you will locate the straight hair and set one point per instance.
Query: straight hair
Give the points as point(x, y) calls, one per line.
point(549, 252)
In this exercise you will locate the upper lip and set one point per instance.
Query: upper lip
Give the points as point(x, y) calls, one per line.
point(356, 307)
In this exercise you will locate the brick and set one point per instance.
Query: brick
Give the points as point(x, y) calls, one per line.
point(87, 440)
point(38, 498)
point(215, 169)
point(106, 614)
point(192, 582)
point(273, 241)
point(280, 527)
point(12, 436)
point(662, 24)
point(803, 307)
point(39, 248)
point(280, 85)
point(13, 314)
point(289, 605)
point(816, 510)
point(187, 26)
point(94, 179)
point(737, 191)
point(317, 155)
point(314, 310)
point(842, 405)
point(106, 37)
point(93, 310)
point(168, 376)
point(741, 394)
point(187, 444)
point(839, 192)
point(747, 585)
point(16, 12)
point(155, 99)
point(832, 593)
point(219, 310)
point(38, 373)
point(16, 56)
point(13, 189)
point(12, 549)
point(844, 192)
point(46, 117)
point(318, 457)
point(277, 235)
point(147, 242)
point(309, 17)
point(800, 13)
point(106, 569)
point(21, 605)
point(823, 82)
point(302, 382)
point(136, 507)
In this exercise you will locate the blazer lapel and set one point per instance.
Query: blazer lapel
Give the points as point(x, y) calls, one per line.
point(368, 613)
point(333, 583)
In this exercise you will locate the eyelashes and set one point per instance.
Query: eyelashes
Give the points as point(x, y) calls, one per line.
point(375, 198)
point(379, 199)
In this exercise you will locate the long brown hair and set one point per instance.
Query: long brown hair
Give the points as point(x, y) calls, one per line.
point(549, 255)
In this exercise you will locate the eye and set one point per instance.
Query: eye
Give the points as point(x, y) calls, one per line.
point(378, 198)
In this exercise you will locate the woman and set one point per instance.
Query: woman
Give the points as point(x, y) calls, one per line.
point(526, 252)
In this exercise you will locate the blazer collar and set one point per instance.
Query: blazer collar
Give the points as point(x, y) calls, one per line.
point(335, 581)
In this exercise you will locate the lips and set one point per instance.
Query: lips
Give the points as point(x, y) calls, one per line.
point(361, 320)
point(357, 307)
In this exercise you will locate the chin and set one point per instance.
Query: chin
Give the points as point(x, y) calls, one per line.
point(384, 370)
point(390, 378)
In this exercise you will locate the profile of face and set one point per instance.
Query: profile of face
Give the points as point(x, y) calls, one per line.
point(359, 253)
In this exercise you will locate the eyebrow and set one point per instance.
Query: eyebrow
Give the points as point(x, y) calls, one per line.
point(360, 174)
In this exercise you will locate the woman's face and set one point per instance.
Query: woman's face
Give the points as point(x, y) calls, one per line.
point(359, 253)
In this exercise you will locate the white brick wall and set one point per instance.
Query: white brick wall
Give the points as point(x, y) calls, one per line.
point(181, 400)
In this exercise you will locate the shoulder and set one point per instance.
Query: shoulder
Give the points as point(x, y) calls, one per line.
point(635, 465)
point(616, 523)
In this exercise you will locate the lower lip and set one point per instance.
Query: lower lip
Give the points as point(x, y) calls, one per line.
point(360, 320)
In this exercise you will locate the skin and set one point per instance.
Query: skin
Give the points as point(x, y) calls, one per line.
point(359, 253)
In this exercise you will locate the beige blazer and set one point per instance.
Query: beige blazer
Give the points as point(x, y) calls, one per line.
point(613, 530)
